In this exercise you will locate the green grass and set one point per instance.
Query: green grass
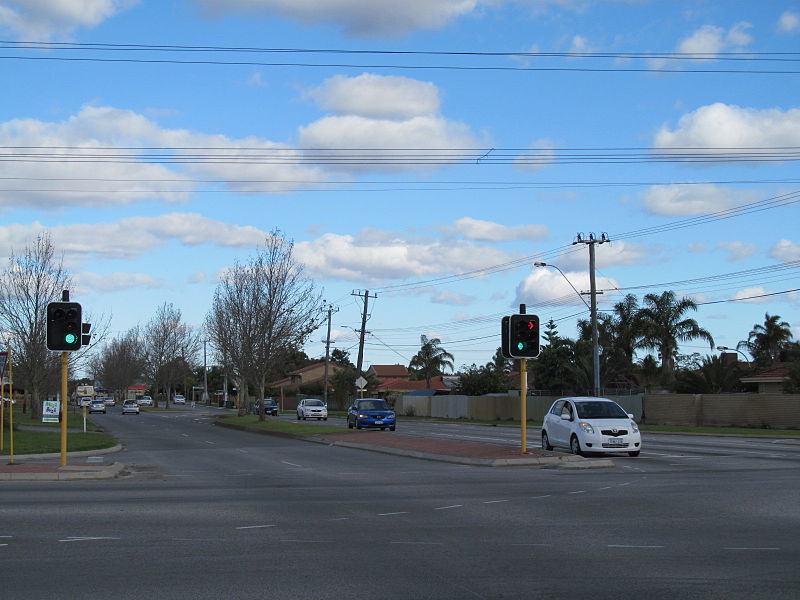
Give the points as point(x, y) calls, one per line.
point(46, 442)
point(286, 427)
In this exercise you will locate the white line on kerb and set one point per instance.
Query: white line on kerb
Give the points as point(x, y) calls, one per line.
point(447, 507)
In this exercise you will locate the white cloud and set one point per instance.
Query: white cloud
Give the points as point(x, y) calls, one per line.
point(363, 19)
point(711, 40)
point(115, 282)
point(789, 22)
point(43, 20)
point(487, 231)
point(681, 200)
point(721, 125)
point(737, 250)
point(393, 257)
point(377, 96)
point(548, 287)
point(749, 294)
point(134, 236)
point(785, 251)
point(452, 298)
point(541, 155)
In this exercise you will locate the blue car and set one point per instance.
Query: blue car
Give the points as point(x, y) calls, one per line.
point(371, 413)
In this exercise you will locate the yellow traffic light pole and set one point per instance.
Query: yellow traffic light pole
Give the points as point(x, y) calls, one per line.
point(64, 373)
point(523, 404)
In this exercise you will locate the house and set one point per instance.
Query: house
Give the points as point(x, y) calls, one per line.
point(771, 380)
point(404, 386)
point(388, 372)
point(309, 374)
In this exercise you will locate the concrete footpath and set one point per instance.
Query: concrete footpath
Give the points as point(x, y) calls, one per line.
point(46, 467)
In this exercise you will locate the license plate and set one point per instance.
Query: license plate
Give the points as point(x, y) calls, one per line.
point(616, 441)
point(378, 422)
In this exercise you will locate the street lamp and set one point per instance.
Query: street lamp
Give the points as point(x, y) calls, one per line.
point(721, 348)
point(593, 312)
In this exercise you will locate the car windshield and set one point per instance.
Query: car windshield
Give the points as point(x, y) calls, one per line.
point(314, 403)
point(269, 402)
point(373, 405)
point(594, 409)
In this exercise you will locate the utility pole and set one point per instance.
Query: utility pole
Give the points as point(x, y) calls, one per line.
point(591, 241)
point(331, 310)
point(206, 397)
point(363, 329)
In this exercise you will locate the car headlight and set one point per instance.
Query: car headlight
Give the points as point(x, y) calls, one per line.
point(587, 428)
point(360, 416)
point(634, 427)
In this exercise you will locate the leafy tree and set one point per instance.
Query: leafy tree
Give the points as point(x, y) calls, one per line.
point(664, 325)
point(341, 358)
point(765, 342)
point(551, 370)
point(121, 363)
point(793, 385)
point(477, 381)
point(431, 359)
point(500, 363)
point(713, 375)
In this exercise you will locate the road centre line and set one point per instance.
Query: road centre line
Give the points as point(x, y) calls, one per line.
point(494, 501)
point(88, 539)
point(449, 507)
point(185, 434)
point(747, 548)
point(419, 543)
point(286, 462)
point(255, 526)
point(389, 514)
point(630, 546)
point(578, 492)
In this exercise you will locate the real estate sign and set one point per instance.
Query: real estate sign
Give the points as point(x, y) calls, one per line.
point(50, 410)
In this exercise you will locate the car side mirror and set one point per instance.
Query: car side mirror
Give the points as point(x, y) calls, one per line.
point(630, 416)
point(566, 416)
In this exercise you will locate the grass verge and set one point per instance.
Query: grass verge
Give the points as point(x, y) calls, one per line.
point(47, 442)
point(285, 427)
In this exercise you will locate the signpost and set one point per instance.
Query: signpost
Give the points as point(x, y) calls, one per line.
point(361, 383)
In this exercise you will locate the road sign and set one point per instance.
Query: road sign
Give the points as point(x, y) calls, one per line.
point(361, 383)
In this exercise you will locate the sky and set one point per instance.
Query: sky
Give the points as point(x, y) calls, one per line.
point(427, 151)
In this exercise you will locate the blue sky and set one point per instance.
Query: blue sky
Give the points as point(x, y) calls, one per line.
point(462, 141)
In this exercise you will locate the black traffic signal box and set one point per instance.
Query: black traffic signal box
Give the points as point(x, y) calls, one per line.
point(64, 326)
point(523, 336)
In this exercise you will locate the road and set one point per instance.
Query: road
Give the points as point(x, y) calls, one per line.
point(208, 512)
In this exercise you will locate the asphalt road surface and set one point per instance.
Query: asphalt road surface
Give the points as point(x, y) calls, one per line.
point(208, 512)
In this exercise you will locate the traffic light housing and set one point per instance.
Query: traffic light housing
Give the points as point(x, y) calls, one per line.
point(523, 336)
point(64, 326)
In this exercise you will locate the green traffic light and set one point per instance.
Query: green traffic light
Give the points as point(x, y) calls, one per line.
point(70, 338)
point(520, 346)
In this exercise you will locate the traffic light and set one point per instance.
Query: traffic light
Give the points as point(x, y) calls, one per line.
point(523, 336)
point(64, 326)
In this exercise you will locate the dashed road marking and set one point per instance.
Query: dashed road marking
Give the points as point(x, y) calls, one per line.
point(255, 526)
point(449, 507)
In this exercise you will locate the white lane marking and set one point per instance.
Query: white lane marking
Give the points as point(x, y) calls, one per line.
point(748, 548)
point(495, 501)
point(532, 545)
point(286, 462)
point(187, 435)
point(631, 546)
point(243, 451)
point(402, 512)
point(255, 526)
point(608, 487)
point(87, 539)
point(578, 492)
point(419, 543)
point(448, 507)
point(535, 497)
point(340, 519)
point(207, 442)
point(305, 541)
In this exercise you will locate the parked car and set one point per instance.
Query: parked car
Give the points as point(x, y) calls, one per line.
point(587, 425)
point(312, 409)
point(130, 407)
point(371, 413)
point(97, 405)
point(271, 407)
point(178, 399)
point(145, 401)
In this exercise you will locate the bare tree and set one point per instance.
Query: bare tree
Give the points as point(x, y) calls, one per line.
point(170, 349)
point(261, 311)
point(121, 363)
point(31, 281)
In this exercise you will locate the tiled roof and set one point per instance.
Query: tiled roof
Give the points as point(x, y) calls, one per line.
point(401, 385)
point(390, 370)
point(777, 372)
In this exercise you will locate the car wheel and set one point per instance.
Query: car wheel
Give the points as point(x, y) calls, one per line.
point(634, 453)
point(575, 446)
point(546, 442)
point(324, 418)
point(383, 428)
point(391, 428)
point(349, 424)
point(298, 416)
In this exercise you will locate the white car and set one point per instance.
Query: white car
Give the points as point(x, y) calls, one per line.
point(178, 399)
point(85, 401)
point(130, 407)
point(585, 424)
point(145, 401)
point(312, 409)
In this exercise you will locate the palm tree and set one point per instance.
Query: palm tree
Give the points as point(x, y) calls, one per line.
point(626, 329)
point(765, 342)
point(431, 359)
point(663, 326)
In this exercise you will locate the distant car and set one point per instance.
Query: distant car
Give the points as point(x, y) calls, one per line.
point(312, 409)
point(586, 424)
point(97, 405)
point(109, 400)
point(271, 407)
point(178, 399)
point(86, 401)
point(145, 401)
point(371, 413)
point(130, 407)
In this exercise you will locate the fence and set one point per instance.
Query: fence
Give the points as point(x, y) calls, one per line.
point(769, 411)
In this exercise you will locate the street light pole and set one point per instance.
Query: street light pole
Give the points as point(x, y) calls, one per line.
point(721, 348)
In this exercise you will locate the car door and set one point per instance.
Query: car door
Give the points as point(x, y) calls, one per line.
point(559, 429)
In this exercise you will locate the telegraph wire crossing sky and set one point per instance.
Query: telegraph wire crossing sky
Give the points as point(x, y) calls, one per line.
point(429, 152)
